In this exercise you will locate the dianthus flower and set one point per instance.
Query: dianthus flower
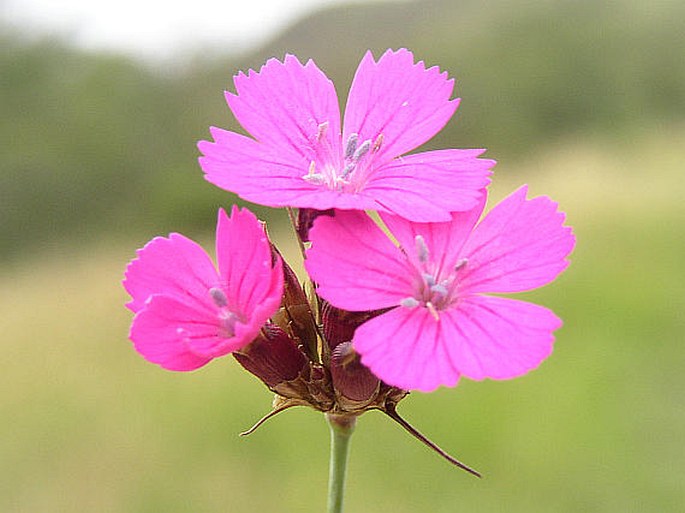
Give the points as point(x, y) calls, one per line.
point(187, 313)
point(299, 157)
point(440, 325)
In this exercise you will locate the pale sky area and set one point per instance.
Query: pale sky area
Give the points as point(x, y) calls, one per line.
point(154, 29)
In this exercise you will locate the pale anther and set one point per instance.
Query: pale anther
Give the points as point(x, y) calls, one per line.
point(362, 150)
point(429, 279)
point(351, 145)
point(461, 263)
point(348, 169)
point(218, 296)
point(314, 179)
point(227, 321)
point(421, 249)
point(409, 302)
point(439, 289)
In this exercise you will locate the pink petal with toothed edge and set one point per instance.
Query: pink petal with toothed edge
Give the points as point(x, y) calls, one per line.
point(443, 240)
point(404, 101)
point(155, 333)
point(406, 348)
point(283, 105)
point(244, 166)
point(498, 338)
point(355, 265)
point(178, 323)
point(484, 337)
point(245, 265)
point(521, 244)
point(174, 266)
point(429, 186)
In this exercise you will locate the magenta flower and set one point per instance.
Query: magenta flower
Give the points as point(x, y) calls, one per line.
point(441, 326)
point(300, 158)
point(187, 313)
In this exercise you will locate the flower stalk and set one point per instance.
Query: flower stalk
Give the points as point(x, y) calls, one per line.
point(342, 427)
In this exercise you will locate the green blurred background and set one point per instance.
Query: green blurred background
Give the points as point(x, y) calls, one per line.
point(582, 100)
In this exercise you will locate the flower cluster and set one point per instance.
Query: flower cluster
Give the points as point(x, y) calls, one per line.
point(400, 300)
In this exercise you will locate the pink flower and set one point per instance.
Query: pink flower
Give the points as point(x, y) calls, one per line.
point(300, 158)
point(187, 313)
point(441, 326)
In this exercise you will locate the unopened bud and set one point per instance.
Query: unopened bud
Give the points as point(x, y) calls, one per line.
point(351, 379)
point(273, 356)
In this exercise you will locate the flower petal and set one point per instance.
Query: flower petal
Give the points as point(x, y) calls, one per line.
point(429, 186)
point(175, 266)
point(520, 245)
point(249, 279)
point(242, 165)
point(405, 102)
point(162, 329)
point(444, 241)
point(355, 265)
point(407, 349)
point(283, 105)
point(498, 338)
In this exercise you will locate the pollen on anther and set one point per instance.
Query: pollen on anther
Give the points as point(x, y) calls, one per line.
point(439, 289)
point(421, 249)
point(409, 302)
point(461, 264)
point(351, 145)
point(429, 279)
point(362, 150)
point(218, 297)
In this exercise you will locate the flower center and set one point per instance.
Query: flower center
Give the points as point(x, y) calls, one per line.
point(227, 319)
point(344, 172)
point(434, 289)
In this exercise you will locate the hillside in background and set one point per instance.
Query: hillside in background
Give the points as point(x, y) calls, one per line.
point(98, 142)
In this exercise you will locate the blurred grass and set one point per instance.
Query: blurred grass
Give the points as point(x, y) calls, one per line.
point(89, 426)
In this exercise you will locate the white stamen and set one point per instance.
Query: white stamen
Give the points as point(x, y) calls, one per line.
point(461, 263)
point(351, 145)
point(421, 249)
point(362, 150)
point(314, 179)
point(323, 128)
point(218, 296)
point(432, 310)
point(409, 302)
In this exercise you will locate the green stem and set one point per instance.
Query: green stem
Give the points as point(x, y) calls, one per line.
point(341, 431)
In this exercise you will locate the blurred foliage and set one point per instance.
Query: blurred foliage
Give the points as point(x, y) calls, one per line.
point(98, 142)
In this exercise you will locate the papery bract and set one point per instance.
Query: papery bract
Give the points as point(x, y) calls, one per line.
point(187, 312)
point(441, 326)
point(301, 157)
